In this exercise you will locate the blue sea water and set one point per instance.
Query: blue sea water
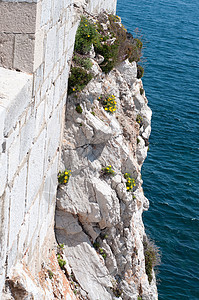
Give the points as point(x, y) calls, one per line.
point(171, 171)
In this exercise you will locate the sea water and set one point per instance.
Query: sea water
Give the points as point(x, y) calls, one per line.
point(170, 29)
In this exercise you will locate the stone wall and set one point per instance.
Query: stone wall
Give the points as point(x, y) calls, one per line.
point(37, 40)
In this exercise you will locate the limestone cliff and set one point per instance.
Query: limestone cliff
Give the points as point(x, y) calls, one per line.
point(97, 218)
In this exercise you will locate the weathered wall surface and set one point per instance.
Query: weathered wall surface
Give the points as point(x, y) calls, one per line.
point(37, 38)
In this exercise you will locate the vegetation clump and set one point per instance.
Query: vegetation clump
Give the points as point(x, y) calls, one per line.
point(50, 274)
point(139, 120)
point(140, 71)
point(116, 45)
point(78, 79)
point(141, 91)
point(130, 182)
point(108, 171)
point(82, 61)
point(63, 177)
point(79, 109)
point(101, 251)
point(60, 259)
point(116, 289)
point(109, 103)
point(86, 36)
point(152, 257)
point(108, 37)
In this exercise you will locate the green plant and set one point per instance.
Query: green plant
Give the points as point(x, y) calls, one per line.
point(50, 274)
point(78, 79)
point(141, 91)
point(103, 253)
point(83, 62)
point(152, 257)
point(138, 140)
point(116, 289)
point(130, 183)
point(96, 245)
point(93, 113)
point(108, 103)
point(61, 261)
point(139, 120)
point(140, 71)
point(104, 236)
point(108, 171)
point(86, 36)
point(63, 177)
point(79, 109)
point(139, 298)
point(61, 246)
point(134, 197)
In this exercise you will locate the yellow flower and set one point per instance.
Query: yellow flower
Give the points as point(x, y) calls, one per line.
point(88, 35)
point(110, 166)
point(127, 188)
point(106, 108)
point(73, 89)
point(86, 25)
point(64, 181)
point(66, 173)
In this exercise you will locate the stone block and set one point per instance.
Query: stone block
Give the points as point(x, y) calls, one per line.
point(53, 135)
point(4, 213)
point(35, 169)
point(2, 118)
point(38, 80)
point(39, 49)
point(17, 204)
point(26, 136)
point(45, 12)
point(33, 220)
point(6, 50)
point(10, 138)
point(39, 118)
point(16, 95)
point(60, 43)
point(13, 158)
point(56, 97)
point(17, 17)
point(56, 9)
point(50, 51)
point(49, 103)
point(23, 237)
point(12, 256)
point(3, 173)
point(64, 82)
point(49, 189)
point(24, 52)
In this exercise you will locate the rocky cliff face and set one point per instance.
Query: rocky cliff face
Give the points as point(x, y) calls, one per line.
point(98, 218)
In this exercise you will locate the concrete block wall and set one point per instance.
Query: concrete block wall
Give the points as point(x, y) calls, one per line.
point(37, 39)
